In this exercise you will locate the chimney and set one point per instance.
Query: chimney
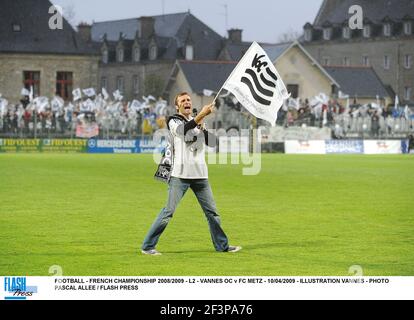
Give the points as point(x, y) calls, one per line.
point(147, 27)
point(85, 32)
point(235, 35)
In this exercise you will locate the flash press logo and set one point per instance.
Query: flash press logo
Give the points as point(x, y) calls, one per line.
point(16, 288)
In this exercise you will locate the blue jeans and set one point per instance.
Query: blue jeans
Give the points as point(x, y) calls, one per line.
point(176, 191)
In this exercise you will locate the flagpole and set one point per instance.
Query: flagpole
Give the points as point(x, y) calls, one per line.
point(218, 94)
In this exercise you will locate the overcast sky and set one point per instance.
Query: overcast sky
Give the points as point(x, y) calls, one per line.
point(261, 20)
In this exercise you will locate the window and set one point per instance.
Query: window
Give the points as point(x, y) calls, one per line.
point(308, 35)
point(17, 27)
point(105, 56)
point(346, 33)
point(32, 79)
point(387, 29)
point(293, 89)
point(135, 83)
point(153, 52)
point(407, 61)
point(120, 55)
point(365, 61)
point(326, 61)
point(120, 84)
point(189, 52)
point(137, 54)
point(346, 61)
point(386, 62)
point(64, 85)
point(327, 33)
point(104, 83)
point(407, 93)
point(407, 28)
point(367, 31)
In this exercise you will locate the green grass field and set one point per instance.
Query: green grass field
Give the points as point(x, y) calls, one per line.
point(303, 215)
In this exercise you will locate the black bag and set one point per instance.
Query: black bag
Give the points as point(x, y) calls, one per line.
point(165, 167)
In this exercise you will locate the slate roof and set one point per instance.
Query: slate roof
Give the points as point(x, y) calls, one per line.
point(274, 51)
point(336, 11)
point(171, 33)
point(166, 26)
point(209, 75)
point(334, 14)
point(237, 50)
point(360, 82)
point(35, 35)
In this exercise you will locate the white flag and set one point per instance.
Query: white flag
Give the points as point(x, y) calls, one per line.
point(208, 93)
point(57, 103)
point(293, 103)
point(117, 95)
point(89, 92)
point(397, 102)
point(322, 98)
point(41, 103)
point(25, 92)
point(87, 106)
point(159, 106)
point(407, 112)
point(257, 85)
point(135, 105)
point(342, 95)
point(105, 94)
point(77, 94)
point(3, 106)
point(31, 94)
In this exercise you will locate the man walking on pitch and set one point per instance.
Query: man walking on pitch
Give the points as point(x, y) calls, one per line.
point(189, 171)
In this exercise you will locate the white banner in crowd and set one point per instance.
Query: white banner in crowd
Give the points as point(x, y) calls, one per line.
point(25, 92)
point(208, 93)
point(105, 94)
point(77, 94)
point(57, 103)
point(257, 85)
point(89, 92)
point(117, 95)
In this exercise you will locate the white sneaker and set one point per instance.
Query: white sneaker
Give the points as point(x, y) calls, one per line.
point(152, 252)
point(234, 249)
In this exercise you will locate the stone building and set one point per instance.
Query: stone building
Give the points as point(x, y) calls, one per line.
point(137, 55)
point(32, 54)
point(386, 41)
point(303, 76)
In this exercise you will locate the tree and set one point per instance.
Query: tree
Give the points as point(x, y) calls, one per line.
point(289, 35)
point(69, 13)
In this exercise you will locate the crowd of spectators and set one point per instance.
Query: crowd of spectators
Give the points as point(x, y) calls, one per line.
point(56, 118)
point(351, 120)
point(42, 117)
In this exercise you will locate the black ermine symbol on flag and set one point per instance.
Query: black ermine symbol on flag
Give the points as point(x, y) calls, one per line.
point(261, 81)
